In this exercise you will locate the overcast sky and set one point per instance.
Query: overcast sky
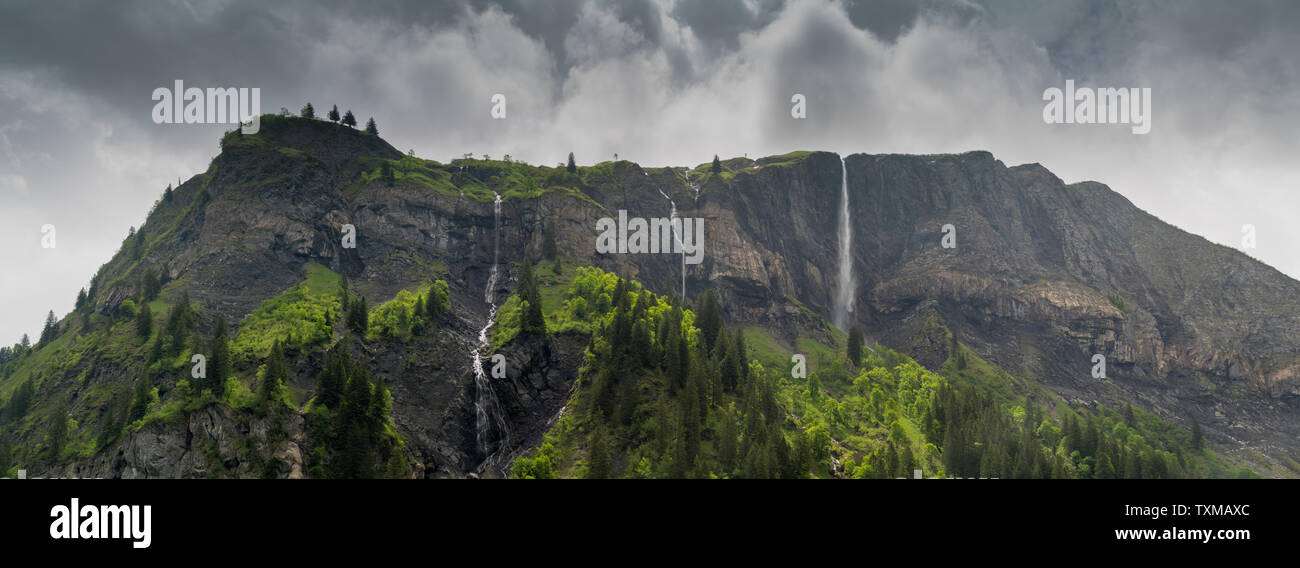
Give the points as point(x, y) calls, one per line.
point(660, 82)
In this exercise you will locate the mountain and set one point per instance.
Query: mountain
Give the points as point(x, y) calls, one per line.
point(990, 341)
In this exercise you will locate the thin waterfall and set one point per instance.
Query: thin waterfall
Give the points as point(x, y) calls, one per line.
point(487, 409)
point(845, 285)
point(676, 235)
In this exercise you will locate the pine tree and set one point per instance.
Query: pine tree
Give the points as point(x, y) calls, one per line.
point(598, 461)
point(892, 462)
point(344, 296)
point(137, 244)
point(741, 358)
point(353, 435)
point(1072, 433)
point(20, 401)
point(906, 462)
point(403, 321)
point(50, 331)
point(179, 324)
point(81, 299)
point(1129, 418)
point(349, 120)
point(308, 111)
point(358, 315)
point(334, 114)
point(438, 302)
point(371, 128)
point(333, 376)
point(377, 411)
point(729, 371)
point(57, 436)
point(144, 321)
point(419, 315)
point(219, 364)
point(717, 164)
point(532, 322)
point(727, 443)
point(6, 453)
point(357, 395)
point(150, 285)
point(572, 167)
point(669, 339)
point(709, 319)
point(26, 342)
point(167, 193)
point(642, 350)
point(855, 345)
point(274, 377)
point(110, 430)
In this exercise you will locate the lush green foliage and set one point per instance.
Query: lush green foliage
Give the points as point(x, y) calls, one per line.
point(664, 393)
point(408, 313)
point(348, 422)
point(301, 318)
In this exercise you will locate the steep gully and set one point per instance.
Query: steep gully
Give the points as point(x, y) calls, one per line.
point(492, 434)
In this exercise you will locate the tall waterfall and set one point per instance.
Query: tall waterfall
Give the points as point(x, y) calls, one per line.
point(487, 409)
point(844, 284)
point(672, 214)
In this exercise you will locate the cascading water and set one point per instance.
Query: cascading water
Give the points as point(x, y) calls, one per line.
point(695, 185)
point(676, 235)
point(487, 409)
point(843, 307)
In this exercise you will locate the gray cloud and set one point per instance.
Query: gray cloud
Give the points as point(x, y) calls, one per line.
point(664, 82)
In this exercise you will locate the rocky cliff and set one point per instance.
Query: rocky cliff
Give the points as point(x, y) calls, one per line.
point(1044, 276)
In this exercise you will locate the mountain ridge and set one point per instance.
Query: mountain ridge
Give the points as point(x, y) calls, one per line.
point(1044, 274)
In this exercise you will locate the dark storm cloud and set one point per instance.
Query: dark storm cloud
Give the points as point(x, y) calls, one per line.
point(719, 23)
point(886, 18)
point(659, 81)
point(546, 20)
point(122, 50)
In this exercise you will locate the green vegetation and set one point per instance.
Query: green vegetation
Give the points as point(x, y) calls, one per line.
point(1117, 301)
point(408, 313)
point(349, 422)
point(855, 345)
point(666, 388)
point(649, 402)
point(670, 392)
point(410, 171)
point(784, 159)
point(471, 177)
point(301, 318)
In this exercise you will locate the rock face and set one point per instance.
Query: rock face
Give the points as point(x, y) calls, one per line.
point(1044, 275)
point(211, 443)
